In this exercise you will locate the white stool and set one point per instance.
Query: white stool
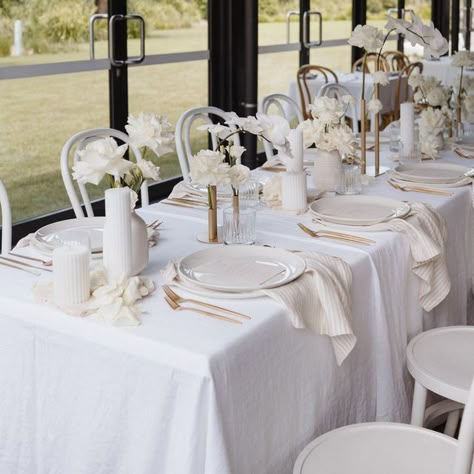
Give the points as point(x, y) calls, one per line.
point(442, 361)
point(391, 448)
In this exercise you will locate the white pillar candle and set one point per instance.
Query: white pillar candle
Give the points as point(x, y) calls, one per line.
point(293, 191)
point(297, 150)
point(407, 124)
point(117, 244)
point(71, 277)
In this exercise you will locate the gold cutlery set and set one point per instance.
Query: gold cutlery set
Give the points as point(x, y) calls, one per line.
point(175, 302)
point(329, 234)
point(418, 189)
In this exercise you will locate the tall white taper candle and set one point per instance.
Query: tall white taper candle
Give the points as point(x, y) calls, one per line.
point(297, 150)
point(407, 124)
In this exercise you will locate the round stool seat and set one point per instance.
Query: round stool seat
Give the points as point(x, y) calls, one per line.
point(442, 360)
point(375, 448)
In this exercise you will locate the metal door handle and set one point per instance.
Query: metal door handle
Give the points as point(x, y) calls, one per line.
point(288, 19)
point(306, 19)
point(134, 59)
point(92, 20)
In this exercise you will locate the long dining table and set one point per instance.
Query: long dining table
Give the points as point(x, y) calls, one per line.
point(183, 393)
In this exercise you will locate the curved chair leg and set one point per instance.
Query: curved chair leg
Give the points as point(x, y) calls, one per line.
point(452, 423)
point(419, 404)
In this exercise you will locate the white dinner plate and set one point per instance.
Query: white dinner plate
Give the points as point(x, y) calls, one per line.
point(49, 236)
point(358, 210)
point(241, 268)
point(431, 172)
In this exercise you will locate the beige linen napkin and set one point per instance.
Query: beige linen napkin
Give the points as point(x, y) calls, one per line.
point(320, 300)
point(183, 190)
point(427, 233)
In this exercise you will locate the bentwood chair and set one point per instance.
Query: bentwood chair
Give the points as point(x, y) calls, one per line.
point(402, 88)
point(285, 107)
point(391, 448)
point(183, 133)
point(396, 60)
point(6, 220)
point(337, 91)
point(371, 64)
point(311, 71)
point(79, 141)
point(442, 361)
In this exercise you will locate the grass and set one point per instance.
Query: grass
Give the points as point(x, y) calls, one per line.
point(37, 115)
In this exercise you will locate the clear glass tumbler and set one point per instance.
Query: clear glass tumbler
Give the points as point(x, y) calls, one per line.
point(351, 181)
point(249, 193)
point(394, 135)
point(239, 227)
point(409, 153)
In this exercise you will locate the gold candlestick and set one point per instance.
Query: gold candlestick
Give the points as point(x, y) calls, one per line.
point(377, 134)
point(212, 214)
point(363, 130)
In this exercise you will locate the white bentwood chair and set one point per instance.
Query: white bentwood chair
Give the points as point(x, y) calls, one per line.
point(6, 220)
point(286, 107)
point(442, 361)
point(391, 448)
point(81, 139)
point(183, 133)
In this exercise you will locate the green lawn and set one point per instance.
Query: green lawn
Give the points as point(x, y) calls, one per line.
point(37, 115)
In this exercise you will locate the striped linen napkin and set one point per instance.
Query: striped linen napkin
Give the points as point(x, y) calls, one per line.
point(427, 233)
point(319, 300)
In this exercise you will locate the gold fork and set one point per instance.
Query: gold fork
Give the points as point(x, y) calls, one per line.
point(176, 307)
point(46, 263)
point(329, 234)
point(179, 299)
point(419, 189)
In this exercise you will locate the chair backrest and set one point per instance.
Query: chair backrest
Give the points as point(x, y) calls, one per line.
point(465, 450)
point(183, 133)
point(311, 71)
point(6, 220)
point(286, 107)
point(396, 60)
point(371, 64)
point(81, 139)
point(337, 91)
point(403, 77)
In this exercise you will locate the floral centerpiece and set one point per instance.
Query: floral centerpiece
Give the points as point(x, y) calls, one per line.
point(429, 92)
point(372, 39)
point(104, 159)
point(432, 124)
point(331, 136)
point(462, 59)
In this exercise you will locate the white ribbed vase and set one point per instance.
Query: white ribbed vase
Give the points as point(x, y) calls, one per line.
point(327, 170)
point(140, 255)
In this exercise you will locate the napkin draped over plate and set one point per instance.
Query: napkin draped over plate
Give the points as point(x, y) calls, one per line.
point(319, 300)
point(427, 233)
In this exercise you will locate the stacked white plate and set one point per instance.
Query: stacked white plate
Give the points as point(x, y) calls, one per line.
point(49, 237)
point(433, 173)
point(238, 271)
point(358, 210)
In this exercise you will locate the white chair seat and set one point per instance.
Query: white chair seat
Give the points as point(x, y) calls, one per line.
point(378, 448)
point(442, 360)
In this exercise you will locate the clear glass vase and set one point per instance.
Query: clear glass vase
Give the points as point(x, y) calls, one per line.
point(239, 226)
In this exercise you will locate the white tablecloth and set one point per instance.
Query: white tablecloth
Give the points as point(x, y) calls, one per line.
point(353, 83)
point(188, 394)
point(443, 70)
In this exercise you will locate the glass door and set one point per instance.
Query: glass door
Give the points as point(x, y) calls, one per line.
point(69, 65)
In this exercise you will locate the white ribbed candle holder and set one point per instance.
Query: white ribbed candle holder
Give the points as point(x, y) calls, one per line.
point(117, 244)
point(407, 124)
point(71, 277)
point(297, 150)
point(293, 191)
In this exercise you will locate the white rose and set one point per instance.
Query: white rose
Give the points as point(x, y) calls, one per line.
point(236, 151)
point(463, 59)
point(429, 146)
point(327, 109)
point(374, 106)
point(208, 168)
point(380, 77)
point(99, 158)
point(348, 99)
point(368, 37)
point(432, 121)
point(239, 175)
point(151, 131)
point(149, 170)
point(274, 128)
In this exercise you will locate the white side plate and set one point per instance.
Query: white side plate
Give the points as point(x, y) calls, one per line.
point(431, 172)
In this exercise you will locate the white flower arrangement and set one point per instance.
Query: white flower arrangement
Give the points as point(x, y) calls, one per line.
point(429, 91)
point(104, 158)
point(463, 59)
point(432, 124)
point(208, 168)
point(327, 130)
point(368, 37)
